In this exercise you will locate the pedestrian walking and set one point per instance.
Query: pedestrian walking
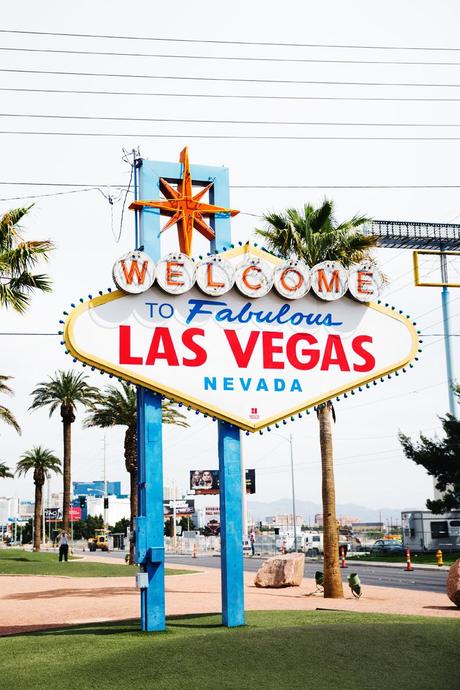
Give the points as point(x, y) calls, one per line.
point(252, 538)
point(63, 546)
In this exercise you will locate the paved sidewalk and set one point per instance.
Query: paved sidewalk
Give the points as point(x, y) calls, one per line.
point(34, 602)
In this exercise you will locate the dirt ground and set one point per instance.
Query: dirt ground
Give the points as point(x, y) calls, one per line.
point(32, 602)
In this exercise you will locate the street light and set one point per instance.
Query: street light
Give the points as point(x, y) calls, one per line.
point(292, 485)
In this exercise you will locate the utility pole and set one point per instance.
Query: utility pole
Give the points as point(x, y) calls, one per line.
point(48, 501)
point(293, 493)
point(174, 517)
point(106, 524)
point(244, 494)
point(445, 316)
point(43, 516)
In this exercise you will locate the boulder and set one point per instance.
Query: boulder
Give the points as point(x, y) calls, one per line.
point(281, 571)
point(453, 583)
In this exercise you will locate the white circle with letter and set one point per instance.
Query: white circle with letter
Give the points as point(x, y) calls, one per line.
point(176, 273)
point(365, 281)
point(292, 279)
point(329, 280)
point(134, 272)
point(214, 275)
point(253, 278)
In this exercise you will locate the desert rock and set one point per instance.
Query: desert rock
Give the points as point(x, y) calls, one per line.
point(453, 583)
point(281, 571)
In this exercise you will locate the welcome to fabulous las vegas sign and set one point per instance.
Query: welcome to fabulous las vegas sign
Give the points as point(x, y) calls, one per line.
point(242, 335)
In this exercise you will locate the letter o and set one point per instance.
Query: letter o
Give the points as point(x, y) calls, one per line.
point(292, 279)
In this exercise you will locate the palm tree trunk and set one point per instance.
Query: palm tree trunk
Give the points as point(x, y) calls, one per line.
point(133, 502)
point(333, 588)
point(67, 433)
point(38, 516)
point(131, 466)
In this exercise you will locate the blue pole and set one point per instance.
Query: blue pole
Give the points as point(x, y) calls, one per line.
point(449, 365)
point(231, 525)
point(150, 521)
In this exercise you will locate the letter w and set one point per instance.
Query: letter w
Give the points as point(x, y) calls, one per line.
point(134, 269)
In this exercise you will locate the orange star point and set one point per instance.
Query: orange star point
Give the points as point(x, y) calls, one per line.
point(185, 209)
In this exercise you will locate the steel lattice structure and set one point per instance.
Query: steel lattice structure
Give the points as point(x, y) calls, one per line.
point(399, 234)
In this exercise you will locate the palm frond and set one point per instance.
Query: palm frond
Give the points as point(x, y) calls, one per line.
point(8, 417)
point(38, 459)
point(66, 388)
point(313, 235)
point(5, 472)
point(3, 387)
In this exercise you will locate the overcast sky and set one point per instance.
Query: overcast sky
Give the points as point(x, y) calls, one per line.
point(370, 468)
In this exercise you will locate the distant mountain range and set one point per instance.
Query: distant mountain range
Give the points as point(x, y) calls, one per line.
point(308, 509)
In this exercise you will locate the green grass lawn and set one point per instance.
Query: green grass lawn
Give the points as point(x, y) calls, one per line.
point(18, 562)
point(283, 650)
point(423, 558)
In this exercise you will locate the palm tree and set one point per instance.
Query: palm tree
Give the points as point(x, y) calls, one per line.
point(42, 461)
point(118, 407)
point(64, 391)
point(5, 414)
point(5, 471)
point(17, 261)
point(313, 235)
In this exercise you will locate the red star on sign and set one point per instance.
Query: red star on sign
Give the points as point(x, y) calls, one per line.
point(184, 208)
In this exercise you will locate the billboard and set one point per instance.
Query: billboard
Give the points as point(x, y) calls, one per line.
point(55, 514)
point(206, 482)
point(242, 336)
point(184, 508)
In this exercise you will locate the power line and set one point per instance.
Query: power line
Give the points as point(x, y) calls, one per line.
point(41, 196)
point(227, 122)
point(232, 96)
point(347, 408)
point(229, 57)
point(224, 42)
point(265, 137)
point(237, 186)
point(231, 80)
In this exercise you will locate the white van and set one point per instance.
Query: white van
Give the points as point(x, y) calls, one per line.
point(312, 543)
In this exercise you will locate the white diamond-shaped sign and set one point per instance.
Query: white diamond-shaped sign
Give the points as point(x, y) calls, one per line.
point(250, 362)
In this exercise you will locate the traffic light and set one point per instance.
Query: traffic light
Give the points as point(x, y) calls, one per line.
point(106, 503)
point(82, 501)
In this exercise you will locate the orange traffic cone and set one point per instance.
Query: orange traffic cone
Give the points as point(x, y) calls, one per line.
point(342, 557)
point(408, 567)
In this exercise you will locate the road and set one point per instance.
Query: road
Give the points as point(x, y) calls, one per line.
point(395, 576)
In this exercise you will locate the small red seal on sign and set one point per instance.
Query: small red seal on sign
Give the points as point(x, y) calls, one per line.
point(254, 413)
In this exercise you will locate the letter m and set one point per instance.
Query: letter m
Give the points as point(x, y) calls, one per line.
point(332, 285)
point(134, 271)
